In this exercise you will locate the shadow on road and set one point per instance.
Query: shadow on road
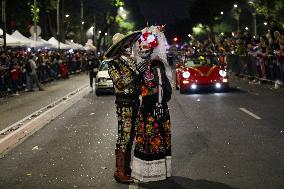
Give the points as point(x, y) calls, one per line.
point(236, 90)
point(184, 183)
point(212, 91)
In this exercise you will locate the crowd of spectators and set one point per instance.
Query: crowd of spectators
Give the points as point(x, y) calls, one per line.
point(267, 50)
point(235, 43)
point(17, 67)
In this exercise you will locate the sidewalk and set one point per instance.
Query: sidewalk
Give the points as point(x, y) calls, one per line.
point(13, 109)
point(268, 84)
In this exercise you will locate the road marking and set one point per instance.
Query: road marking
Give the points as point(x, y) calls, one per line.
point(133, 185)
point(250, 113)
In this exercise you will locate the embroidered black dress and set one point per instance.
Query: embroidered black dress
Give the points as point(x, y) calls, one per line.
point(152, 154)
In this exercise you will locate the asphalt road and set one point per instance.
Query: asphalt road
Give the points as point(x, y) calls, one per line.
point(228, 140)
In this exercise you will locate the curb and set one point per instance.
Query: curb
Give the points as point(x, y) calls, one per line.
point(20, 133)
point(259, 81)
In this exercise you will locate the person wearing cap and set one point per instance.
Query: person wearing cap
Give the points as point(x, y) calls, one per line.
point(124, 73)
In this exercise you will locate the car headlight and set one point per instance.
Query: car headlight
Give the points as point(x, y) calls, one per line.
point(102, 79)
point(185, 74)
point(223, 73)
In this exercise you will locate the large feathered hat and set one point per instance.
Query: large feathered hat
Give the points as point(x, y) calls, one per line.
point(120, 42)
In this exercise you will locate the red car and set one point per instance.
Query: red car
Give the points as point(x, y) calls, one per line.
point(201, 72)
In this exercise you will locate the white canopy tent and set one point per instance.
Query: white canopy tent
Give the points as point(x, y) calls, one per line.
point(54, 43)
point(74, 45)
point(45, 43)
point(12, 41)
point(30, 42)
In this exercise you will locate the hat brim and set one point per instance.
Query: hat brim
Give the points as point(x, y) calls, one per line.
point(114, 49)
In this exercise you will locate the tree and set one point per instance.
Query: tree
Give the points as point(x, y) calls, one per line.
point(35, 13)
point(20, 16)
point(222, 27)
point(271, 9)
point(200, 31)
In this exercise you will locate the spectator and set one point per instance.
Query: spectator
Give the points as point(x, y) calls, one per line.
point(32, 74)
point(63, 69)
point(92, 68)
point(15, 75)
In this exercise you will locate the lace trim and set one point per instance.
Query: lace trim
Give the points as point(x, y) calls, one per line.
point(169, 166)
point(147, 171)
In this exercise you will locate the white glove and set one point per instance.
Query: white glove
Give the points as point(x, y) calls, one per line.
point(141, 67)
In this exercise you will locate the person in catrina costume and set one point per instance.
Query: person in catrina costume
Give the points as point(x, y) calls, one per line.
point(152, 153)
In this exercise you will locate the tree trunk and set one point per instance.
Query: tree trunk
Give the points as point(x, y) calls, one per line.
point(51, 27)
point(106, 28)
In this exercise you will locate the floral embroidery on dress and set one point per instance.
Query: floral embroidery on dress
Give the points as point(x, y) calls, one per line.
point(124, 126)
point(148, 139)
point(149, 86)
point(148, 75)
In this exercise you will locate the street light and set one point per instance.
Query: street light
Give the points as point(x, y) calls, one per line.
point(99, 33)
point(237, 15)
point(82, 21)
point(246, 28)
point(66, 24)
point(122, 12)
point(253, 12)
point(58, 23)
point(35, 22)
point(265, 23)
point(4, 24)
point(221, 12)
point(94, 31)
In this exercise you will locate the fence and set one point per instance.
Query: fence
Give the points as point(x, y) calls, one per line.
point(45, 72)
point(266, 68)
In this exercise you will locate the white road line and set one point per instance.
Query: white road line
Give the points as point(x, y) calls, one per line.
point(133, 185)
point(27, 129)
point(250, 113)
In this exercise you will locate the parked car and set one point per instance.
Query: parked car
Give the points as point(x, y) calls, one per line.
point(103, 82)
point(197, 73)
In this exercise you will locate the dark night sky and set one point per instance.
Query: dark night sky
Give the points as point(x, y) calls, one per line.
point(164, 11)
point(179, 15)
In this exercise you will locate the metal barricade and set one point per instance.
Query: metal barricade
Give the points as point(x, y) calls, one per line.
point(280, 64)
point(270, 68)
